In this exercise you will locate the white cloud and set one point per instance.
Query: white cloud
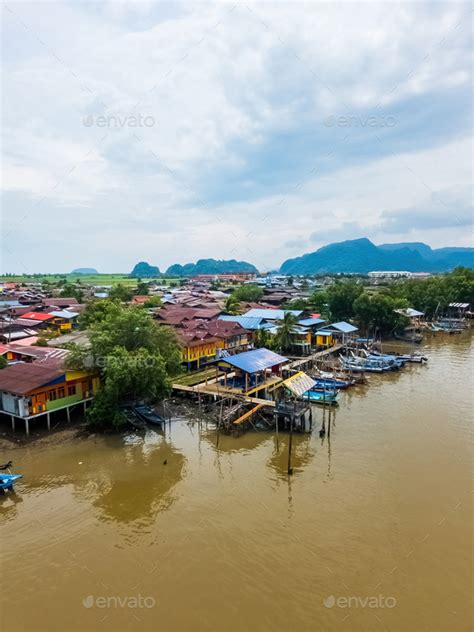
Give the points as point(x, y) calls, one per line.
point(220, 82)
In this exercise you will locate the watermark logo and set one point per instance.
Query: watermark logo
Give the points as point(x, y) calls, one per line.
point(131, 120)
point(357, 120)
point(354, 601)
point(132, 362)
point(115, 601)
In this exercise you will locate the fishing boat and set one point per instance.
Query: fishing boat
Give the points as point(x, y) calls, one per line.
point(322, 397)
point(133, 419)
point(360, 365)
point(389, 359)
point(407, 337)
point(7, 480)
point(331, 383)
point(444, 327)
point(148, 415)
point(413, 357)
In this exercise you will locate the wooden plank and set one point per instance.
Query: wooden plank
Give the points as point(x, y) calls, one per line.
point(248, 414)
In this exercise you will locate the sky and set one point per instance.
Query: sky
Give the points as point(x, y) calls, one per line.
point(169, 132)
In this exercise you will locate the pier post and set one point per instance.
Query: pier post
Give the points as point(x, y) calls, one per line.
point(85, 405)
point(276, 432)
point(290, 469)
point(27, 427)
point(68, 413)
point(13, 422)
point(48, 421)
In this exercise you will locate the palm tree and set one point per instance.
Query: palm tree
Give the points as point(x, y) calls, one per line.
point(285, 331)
point(232, 305)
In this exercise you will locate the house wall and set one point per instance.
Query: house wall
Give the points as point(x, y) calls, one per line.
point(51, 397)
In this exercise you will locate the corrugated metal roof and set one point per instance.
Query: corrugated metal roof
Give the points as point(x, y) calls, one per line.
point(299, 383)
point(345, 328)
point(272, 314)
point(322, 332)
point(38, 316)
point(63, 313)
point(460, 305)
point(22, 377)
point(307, 322)
point(247, 322)
point(255, 360)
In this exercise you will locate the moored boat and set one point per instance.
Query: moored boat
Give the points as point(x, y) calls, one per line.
point(331, 383)
point(7, 480)
point(148, 415)
point(322, 397)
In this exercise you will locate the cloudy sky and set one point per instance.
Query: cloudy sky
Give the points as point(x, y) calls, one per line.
point(169, 132)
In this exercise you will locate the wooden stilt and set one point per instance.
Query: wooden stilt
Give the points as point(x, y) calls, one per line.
point(27, 427)
point(276, 433)
point(13, 422)
point(48, 421)
point(290, 469)
point(68, 413)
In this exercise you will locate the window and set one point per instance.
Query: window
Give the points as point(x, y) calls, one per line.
point(61, 392)
point(52, 396)
point(71, 390)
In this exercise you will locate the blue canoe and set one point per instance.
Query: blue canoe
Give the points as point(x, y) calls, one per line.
point(7, 480)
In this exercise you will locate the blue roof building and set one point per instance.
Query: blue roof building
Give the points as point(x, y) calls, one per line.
point(272, 314)
point(247, 322)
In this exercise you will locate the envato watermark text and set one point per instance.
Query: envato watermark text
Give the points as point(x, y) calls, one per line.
point(132, 362)
point(114, 601)
point(357, 120)
point(132, 121)
point(354, 601)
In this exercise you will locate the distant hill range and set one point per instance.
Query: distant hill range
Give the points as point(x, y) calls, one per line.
point(144, 270)
point(84, 271)
point(211, 266)
point(362, 256)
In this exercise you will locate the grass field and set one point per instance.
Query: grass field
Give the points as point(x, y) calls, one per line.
point(88, 279)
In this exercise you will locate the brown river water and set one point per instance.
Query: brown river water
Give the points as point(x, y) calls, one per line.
point(372, 532)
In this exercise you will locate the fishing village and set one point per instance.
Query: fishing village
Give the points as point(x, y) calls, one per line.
point(250, 353)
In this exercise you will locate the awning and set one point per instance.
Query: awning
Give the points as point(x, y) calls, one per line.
point(299, 383)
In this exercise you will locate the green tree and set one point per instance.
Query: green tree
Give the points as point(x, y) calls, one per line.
point(377, 312)
point(249, 293)
point(135, 359)
point(96, 311)
point(319, 302)
point(3, 362)
point(232, 305)
point(153, 301)
point(341, 297)
point(263, 338)
point(285, 331)
point(69, 290)
point(143, 288)
point(121, 292)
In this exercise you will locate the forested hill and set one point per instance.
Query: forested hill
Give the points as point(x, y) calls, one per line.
point(211, 266)
point(362, 256)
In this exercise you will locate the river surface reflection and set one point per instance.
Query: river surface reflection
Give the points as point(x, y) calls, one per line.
point(219, 537)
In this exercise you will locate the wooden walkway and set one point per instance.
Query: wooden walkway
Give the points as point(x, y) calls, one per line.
point(209, 390)
point(315, 356)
